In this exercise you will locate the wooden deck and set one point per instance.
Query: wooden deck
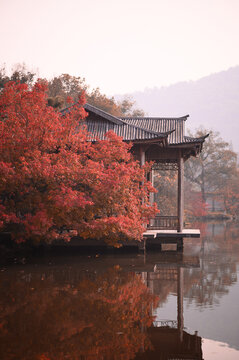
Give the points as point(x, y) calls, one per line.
point(157, 238)
point(186, 233)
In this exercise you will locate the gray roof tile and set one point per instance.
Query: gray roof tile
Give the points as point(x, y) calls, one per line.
point(136, 128)
point(162, 125)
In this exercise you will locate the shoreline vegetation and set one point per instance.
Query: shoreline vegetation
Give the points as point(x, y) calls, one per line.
point(214, 216)
point(12, 253)
point(55, 185)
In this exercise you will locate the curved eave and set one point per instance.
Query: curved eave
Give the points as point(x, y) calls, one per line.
point(190, 141)
point(162, 138)
point(191, 147)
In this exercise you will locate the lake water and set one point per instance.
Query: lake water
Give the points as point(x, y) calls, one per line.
point(131, 306)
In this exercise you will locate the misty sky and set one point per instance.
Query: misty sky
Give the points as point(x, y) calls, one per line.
point(123, 45)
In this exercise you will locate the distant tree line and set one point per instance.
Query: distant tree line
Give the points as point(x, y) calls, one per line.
point(214, 172)
point(61, 87)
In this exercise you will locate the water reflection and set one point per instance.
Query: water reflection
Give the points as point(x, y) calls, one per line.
point(120, 307)
point(52, 315)
point(84, 311)
point(219, 255)
point(215, 350)
point(168, 337)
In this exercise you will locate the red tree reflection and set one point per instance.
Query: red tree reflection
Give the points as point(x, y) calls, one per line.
point(97, 317)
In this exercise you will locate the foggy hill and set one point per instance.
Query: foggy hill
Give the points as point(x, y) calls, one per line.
point(212, 101)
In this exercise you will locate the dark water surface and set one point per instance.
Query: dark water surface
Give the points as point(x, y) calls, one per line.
point(155, 306)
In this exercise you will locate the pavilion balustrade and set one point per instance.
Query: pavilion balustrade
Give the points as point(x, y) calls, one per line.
point(164, 223)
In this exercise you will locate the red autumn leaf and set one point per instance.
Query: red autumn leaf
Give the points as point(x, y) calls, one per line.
point(55, 183)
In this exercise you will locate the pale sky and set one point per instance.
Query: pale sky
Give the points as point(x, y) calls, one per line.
point(121, 46)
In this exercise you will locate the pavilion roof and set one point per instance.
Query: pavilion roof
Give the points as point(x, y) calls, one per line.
point(176, 126)
point(98, 127)
point(137, 129)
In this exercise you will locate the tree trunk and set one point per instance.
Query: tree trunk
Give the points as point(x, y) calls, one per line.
point(203, 184)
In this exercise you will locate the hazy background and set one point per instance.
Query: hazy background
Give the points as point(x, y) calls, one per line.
point(211, 102)
point(128, 46)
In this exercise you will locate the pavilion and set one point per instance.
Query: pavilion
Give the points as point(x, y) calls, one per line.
point(158, 139)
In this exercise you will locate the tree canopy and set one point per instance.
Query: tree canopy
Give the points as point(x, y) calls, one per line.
point(231, 194)
point(19, 73)
point(55, 184)
point(61, 87)
point(215, 165)
point(65, 85)
point(214, 172)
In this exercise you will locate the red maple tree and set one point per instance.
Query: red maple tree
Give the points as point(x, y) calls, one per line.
point(56, 184)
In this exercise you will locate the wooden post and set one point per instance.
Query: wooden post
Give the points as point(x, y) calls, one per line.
point(142, 155)
point(151, 179)
point(180, 302)
point(151, 194)
point(180, 192)
point(142, 163)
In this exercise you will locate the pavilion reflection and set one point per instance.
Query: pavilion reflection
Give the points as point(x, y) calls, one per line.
point(94, 309)
point(168, 338)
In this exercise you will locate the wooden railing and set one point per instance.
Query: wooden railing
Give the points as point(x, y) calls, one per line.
point(168, 323)
point(164, 223)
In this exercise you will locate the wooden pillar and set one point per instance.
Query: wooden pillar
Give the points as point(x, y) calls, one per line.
point(180, 191)
point(180, 302)
point(151, 179)
point(142, 163)
point(142, 155)
point(151, 194)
